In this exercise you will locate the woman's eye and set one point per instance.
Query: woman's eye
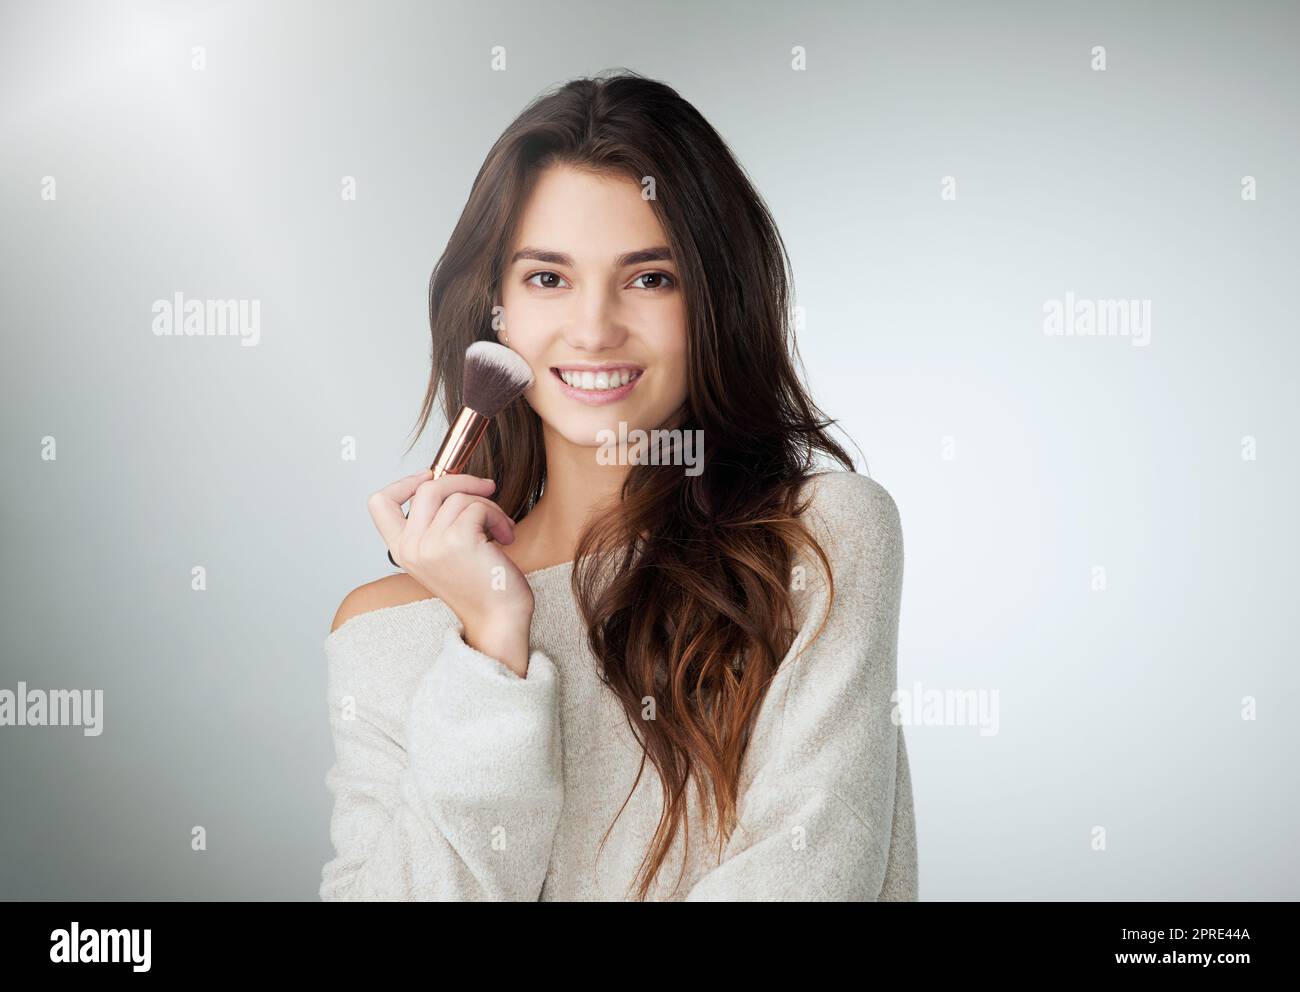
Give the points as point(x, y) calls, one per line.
point(553, 280)
point(661, 276)
point(553, 275)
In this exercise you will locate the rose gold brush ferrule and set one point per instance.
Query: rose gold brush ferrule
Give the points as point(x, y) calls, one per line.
point(462, 438)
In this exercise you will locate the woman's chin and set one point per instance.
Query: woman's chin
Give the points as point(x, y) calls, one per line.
point(596, 431)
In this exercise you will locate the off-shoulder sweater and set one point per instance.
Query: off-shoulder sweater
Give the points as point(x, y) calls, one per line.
point(456, 779)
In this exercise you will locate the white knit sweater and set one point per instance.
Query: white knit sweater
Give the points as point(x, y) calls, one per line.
point(456, 779)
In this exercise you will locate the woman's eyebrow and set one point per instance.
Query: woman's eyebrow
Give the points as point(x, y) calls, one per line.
point(660, 253)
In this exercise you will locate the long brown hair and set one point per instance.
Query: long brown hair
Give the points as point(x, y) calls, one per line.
point(685, 590)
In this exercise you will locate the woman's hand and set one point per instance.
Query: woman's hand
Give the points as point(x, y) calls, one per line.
point(445, 542)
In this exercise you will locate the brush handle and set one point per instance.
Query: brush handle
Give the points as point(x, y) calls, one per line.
point(462, 438)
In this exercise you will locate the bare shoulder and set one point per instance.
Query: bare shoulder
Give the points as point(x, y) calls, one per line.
point(391, 590)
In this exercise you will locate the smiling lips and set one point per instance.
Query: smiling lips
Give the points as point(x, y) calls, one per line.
point(596, 386)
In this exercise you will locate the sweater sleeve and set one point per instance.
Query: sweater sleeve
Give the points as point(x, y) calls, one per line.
point(816, 815)
point(467, 807)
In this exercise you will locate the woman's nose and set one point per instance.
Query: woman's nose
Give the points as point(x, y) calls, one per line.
point(595, 324)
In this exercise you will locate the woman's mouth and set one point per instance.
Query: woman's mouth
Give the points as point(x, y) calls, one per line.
point(597, 386)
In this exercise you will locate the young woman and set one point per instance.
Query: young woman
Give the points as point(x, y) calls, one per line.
point(598, 678)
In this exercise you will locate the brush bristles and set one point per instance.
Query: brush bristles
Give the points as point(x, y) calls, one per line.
point(494, 377)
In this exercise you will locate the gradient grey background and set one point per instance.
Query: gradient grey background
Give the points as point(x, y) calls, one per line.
point(1119, 709)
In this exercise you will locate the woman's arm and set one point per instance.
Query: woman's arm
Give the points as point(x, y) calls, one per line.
point(466, 806)
point(825, 810)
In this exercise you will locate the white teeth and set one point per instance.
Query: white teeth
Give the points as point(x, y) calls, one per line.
point(597, 381)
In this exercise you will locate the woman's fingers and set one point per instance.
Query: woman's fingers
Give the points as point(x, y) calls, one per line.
point(476, 513)
point(429, 496)
point(465, 518)
point(445, 539)
point(386, 505)
point(453, 508)
point(491, 518)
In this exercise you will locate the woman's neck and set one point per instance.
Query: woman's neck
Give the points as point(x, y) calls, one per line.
point(577, 487)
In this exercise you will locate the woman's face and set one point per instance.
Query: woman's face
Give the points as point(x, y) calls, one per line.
point(591, 296)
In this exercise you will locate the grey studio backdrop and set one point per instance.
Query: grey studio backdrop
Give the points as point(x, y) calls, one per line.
point(1100, 530)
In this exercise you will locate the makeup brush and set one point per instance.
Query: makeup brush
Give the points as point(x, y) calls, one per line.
point(494, 378)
